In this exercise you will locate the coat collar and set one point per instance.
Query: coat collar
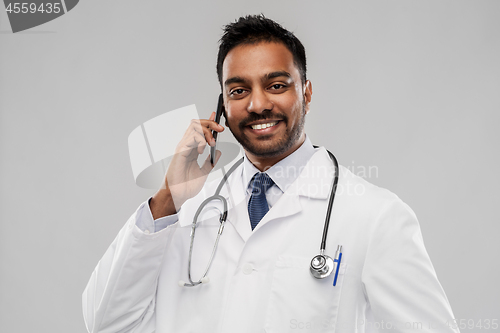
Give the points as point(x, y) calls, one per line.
point(314, 181)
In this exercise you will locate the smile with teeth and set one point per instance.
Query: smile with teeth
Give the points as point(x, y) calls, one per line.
point(263, 126)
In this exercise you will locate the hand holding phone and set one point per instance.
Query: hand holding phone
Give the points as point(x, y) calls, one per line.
point(185, 177)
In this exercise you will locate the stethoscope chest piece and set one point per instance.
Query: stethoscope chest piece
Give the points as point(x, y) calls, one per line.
point(321, 266)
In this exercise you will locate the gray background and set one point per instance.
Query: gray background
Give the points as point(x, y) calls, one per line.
point(409, 87)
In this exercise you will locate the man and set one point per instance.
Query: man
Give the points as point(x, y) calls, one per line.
point(278, 197)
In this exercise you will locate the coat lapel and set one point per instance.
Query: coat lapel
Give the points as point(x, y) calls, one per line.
point(314, 182)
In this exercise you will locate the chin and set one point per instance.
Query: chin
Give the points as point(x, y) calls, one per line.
point(271, 150)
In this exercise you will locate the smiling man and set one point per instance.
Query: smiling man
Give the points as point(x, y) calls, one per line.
point(262, 278)
point(266, 101)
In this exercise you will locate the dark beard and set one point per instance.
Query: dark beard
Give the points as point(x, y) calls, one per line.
point(284, 144)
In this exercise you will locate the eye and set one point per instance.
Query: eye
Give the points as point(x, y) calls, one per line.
point(277, 86)
point(236, 92)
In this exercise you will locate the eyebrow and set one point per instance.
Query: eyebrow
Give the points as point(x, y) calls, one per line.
point(236, 79)
point(268, 76)
point(274, 75)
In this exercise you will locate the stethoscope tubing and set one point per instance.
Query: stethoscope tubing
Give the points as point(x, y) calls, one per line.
point(330, 202)
point(222, 221)
point(223, 218)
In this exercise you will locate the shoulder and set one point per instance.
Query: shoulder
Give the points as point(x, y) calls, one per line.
point(358, 187)
point(368, 200)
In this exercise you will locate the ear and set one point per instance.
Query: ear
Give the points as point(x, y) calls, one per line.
point(308, 90)
point(224, 112)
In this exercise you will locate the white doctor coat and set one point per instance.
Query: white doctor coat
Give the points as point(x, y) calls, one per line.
point(260, 280)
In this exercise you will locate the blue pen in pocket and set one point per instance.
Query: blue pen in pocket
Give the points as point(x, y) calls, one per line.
point(336, 263)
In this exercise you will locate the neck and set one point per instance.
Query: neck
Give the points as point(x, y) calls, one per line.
point(265, 163)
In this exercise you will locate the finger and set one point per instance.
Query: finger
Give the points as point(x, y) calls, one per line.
point(192, 142)
point(211, 124)
point(198, 124)
point(212, 116)
point(205, 127)
point(197, 139)
point(209, 135)
point(194, 127)
point(199, 142)
point(207, 166)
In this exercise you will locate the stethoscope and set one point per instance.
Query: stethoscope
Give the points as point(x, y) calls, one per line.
point(321, 265)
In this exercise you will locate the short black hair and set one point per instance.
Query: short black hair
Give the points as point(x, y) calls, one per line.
point(253, 29)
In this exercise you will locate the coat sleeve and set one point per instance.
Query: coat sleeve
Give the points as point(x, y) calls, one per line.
point(399, 280)
point(121, 293)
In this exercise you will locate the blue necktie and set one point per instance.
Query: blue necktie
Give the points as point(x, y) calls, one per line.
point(257, 206)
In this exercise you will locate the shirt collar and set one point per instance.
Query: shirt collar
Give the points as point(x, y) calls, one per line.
point(286, 171)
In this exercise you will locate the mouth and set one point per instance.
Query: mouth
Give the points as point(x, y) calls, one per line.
point(266, 127)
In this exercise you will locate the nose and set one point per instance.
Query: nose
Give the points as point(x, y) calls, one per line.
point(259, 101)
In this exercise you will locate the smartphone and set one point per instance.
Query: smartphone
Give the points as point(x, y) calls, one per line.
point(220, 107)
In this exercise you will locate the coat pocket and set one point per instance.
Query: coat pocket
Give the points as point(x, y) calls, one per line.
point(298, 301)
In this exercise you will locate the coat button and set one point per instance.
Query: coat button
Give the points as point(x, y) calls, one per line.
point(247, 269)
